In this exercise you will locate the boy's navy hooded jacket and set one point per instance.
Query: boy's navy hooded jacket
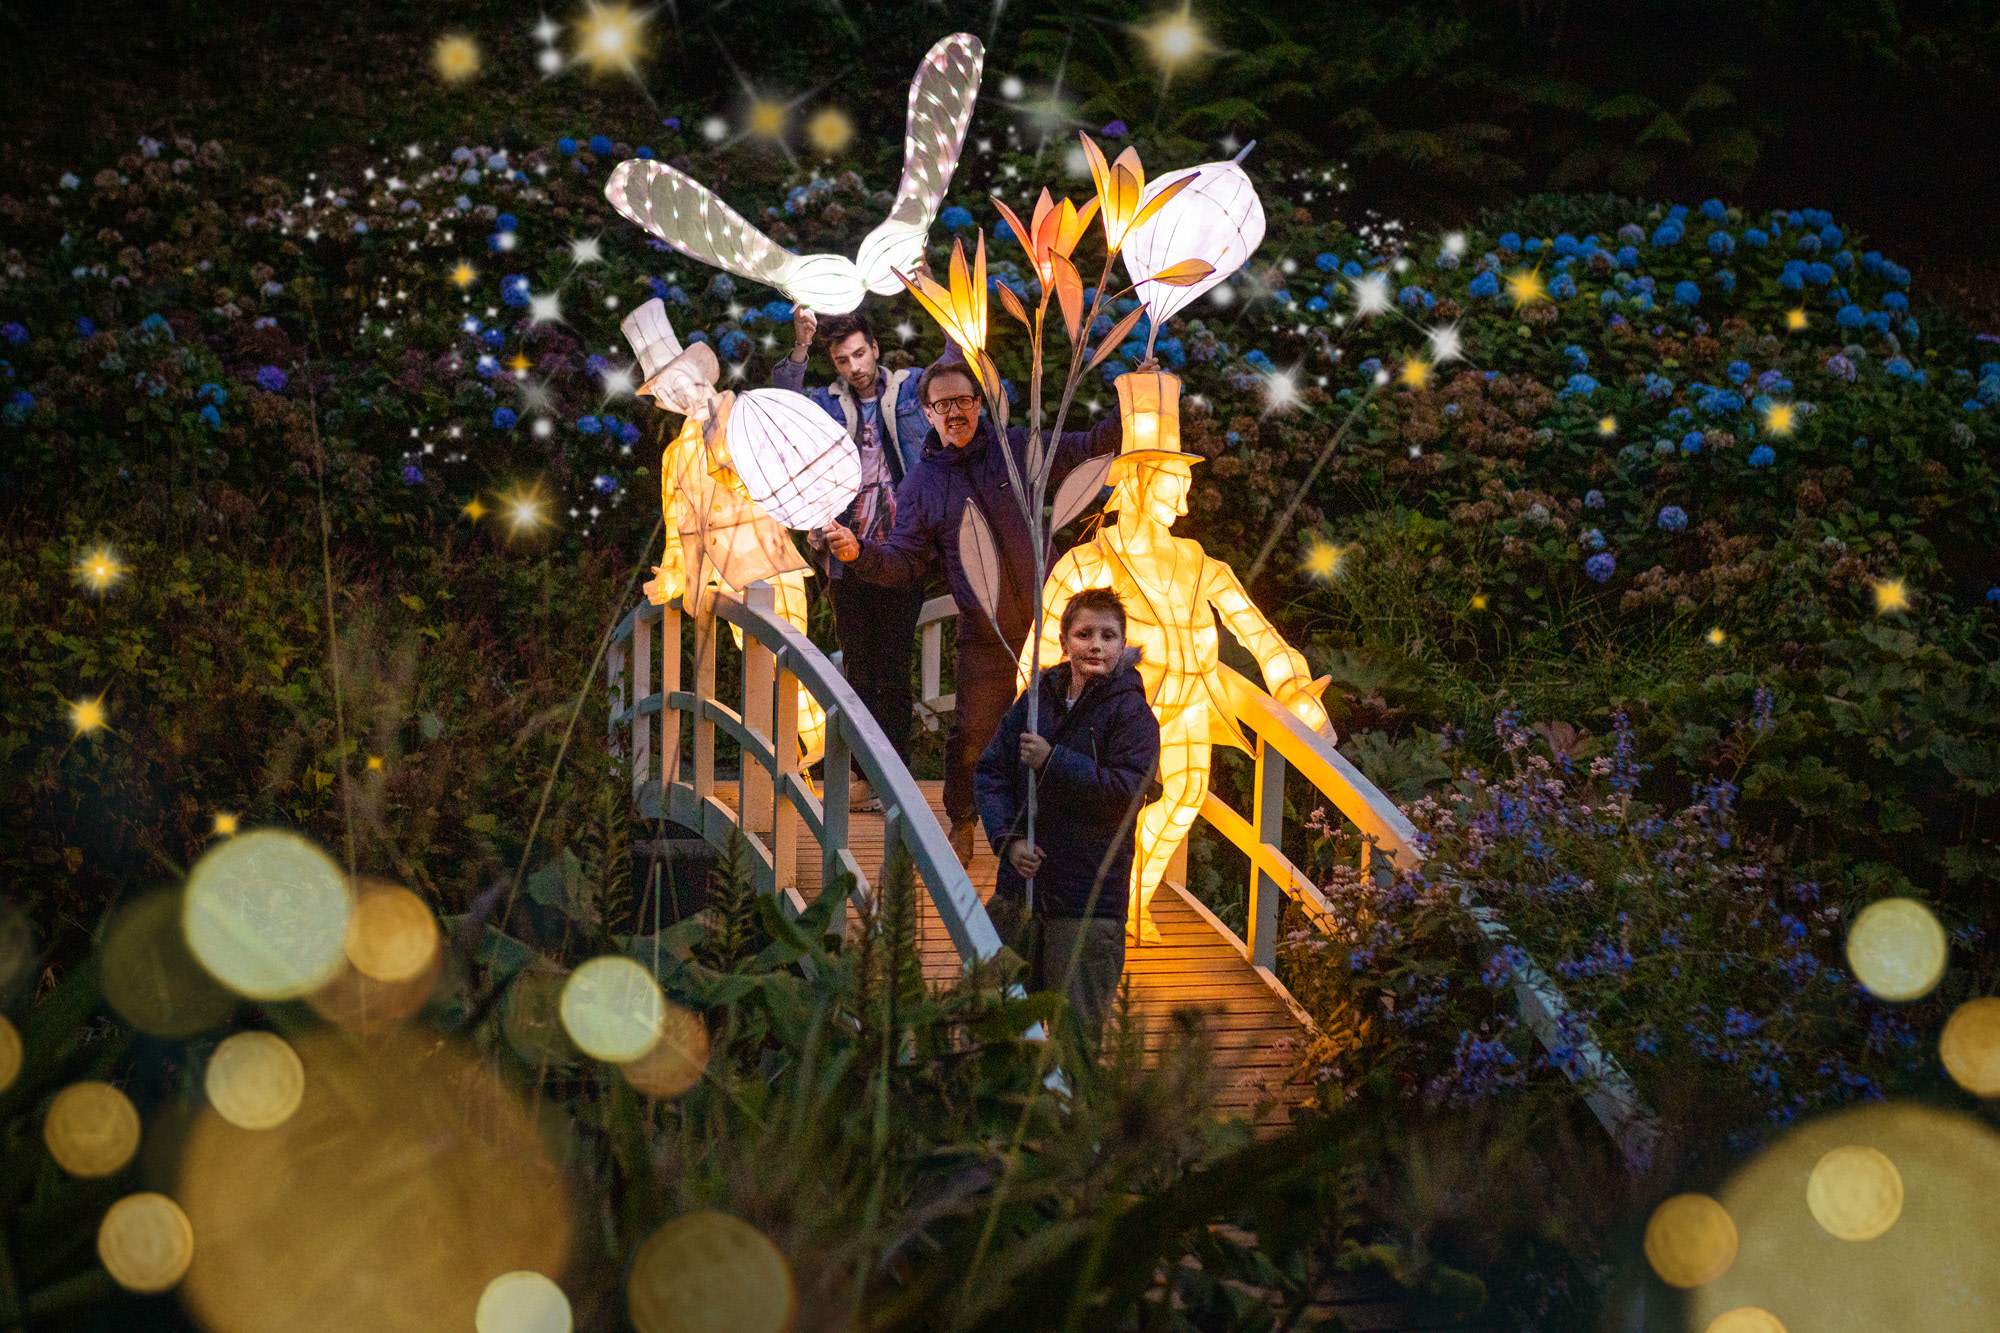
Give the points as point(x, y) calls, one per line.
point(932, 499)
point(1104, 757)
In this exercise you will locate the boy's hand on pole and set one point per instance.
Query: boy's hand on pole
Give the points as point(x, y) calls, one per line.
point(1025, 859)
point(1034, 751)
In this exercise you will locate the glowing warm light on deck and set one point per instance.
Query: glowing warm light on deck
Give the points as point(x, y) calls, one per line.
point(1175, 39)
point(255, 1080)
point(87, 715)
point(464, 274)
point(149, 976)
point(830, 130)
point(1745, 1319)
point(456, 57)
point(266, 914)
point(99, 568)
point(677, 1059)
point(612, 1009)
point(1890, 595)
point(408, 1179)
point(92, 1130)
point(10, 1053)
point(1970, 1046)
point(611, 38)
point(710, 1272)
point(1796, 319)
point(1779, 418)
point(522, 1302)
point(1526, 287)
point(1855, 1192)
point(1897, 949)
point(1690, 1240)
point(145, 1242)
point(392, 935)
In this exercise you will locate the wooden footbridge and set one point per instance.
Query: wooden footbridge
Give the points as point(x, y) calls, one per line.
point(662, 668)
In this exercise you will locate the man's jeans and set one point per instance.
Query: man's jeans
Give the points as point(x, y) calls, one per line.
point(877, 629)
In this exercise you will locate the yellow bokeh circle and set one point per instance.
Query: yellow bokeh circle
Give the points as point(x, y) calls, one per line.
point(255, 1080)
point(392, 935)
point(267, 914)
point(1897, 949)
point(1690, 1240)
point(1855, 1192)
point(92, 1129)
point(677, 1059)
point(522, 1301)
point(710, 1272)
point(612, 1008)
point(1970, 1046)
point(10, 1054)
point(145, 1242)
point(1745, 1319)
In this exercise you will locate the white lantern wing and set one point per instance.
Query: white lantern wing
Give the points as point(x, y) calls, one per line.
point(693, 220)
point(942, 94)
point(794, 460)
point(1218, 219)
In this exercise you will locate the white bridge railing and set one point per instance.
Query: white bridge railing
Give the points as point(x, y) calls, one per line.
point(773, 797)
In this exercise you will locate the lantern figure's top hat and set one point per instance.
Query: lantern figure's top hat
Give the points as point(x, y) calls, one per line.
point(680, 379)
point(1149, 405)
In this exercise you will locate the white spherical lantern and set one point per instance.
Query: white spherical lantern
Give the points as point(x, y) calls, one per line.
point(1218, 219)
point(795, 461)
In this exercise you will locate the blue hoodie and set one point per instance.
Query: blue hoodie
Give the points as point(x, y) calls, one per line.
point(1102, 767)
point(931, 502)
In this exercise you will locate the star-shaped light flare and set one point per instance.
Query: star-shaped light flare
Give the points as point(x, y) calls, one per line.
point(586, 250)
point(456, 57)
point(463, 275)
point(88, 715)
point(1371, 295)
point(98, 568)
point(1780, 418)
point(1446, 344)
point(1525, 287)
point(545, 309)
point(1324, 560)
point(1890, 595)
point(1796, 319)
point(611, 38)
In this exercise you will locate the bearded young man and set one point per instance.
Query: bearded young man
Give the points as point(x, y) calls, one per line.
point(876, 625)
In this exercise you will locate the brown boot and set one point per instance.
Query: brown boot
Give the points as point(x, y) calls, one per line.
point(961, 840)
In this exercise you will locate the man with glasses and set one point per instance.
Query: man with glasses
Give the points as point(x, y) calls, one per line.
point(962, 464)
point(875, 625)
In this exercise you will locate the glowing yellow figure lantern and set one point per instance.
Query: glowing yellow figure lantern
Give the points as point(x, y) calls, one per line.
point(1173, 592)
point(717, 536)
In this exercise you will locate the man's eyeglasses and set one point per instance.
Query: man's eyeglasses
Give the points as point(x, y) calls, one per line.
point(962, 403)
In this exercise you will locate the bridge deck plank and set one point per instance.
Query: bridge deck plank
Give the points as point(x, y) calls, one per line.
point(1252, 1031)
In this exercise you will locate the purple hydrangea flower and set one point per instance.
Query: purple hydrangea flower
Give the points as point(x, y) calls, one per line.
point(629, 433)
point(412, 476)
point(1593, 499)
point(1673, 519)
point(588, 425)
point(14, 332)
point(1116, 130)
point(1838, 365)
point(1601, 566)
point(272, 379)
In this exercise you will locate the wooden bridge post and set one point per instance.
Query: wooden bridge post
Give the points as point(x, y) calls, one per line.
point(1266, 895)
point(834, 789)
point(931, 678)
point(706, 627)
point(642, 685)
point(760, 689)
point(670, 717)
point(786, 779)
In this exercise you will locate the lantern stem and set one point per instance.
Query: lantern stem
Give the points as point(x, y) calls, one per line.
point(1246, 151)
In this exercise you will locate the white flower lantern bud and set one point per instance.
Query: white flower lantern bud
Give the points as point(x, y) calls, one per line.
point(1218, 219)
point(794, 460)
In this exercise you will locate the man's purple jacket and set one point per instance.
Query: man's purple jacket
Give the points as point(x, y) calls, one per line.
point(931, 502)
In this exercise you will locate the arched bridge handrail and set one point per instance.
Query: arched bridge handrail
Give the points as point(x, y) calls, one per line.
point(778, 661)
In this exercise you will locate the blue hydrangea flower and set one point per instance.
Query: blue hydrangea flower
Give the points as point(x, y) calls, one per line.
point(1678, 213)
point(1721, 244)
point(1171, 353)
point(1691, 442)
point(1601, 566)
point(1351, 269)
point(1317, 304)
point(1896, 273)
point(629, 433)
point(1328, 263)
point(1911, 329)
point(1686, 293)
point(1844, 260)
point(1774, 381)
point(14, 332)
point(1411, 297)
point(1593, 499)
point(1283, 296)
point(1900, 367)
point(1485, 285)
point(722, 287)
point(588, 425)
point(1851, 317)
point(1631, 234)
point(1877, 321)
point(1259, 362)
point(211, 418)
point(1667, 233)
point(1642, 301)
point(1608, 298)
point(412, 476)
point(1659, 386)
point(1673, 519)
point(1591, 540)
point(604, 485)
point(506, 222)
point(1445, 259)
point(504, 418)
point(84, 328)
point(644, 153)
point(599, 144)
point(1808, 243)
point(1714, 211)
point(1716, 402)
point(956, 218)
point(213, 393)
point(1578, 386)
point(494, 337)
point(1532, 245)
point(1756, 238)
point(1830, 237)
point(271, 378)
point(1871, 263)
point(514, 290)
point(1510, 240)
point(1563, 287)
point(1993, 595)
point(1577, 356)
point(1113, 369)
point(1763, 456)
point(1116, 130)
point(1371, 367)
point(1627, 257)
point(487, 367)
point(1895, 301)
point(1566, 246)
point(734, 346)
point(1738, 371)
point(1819, 274)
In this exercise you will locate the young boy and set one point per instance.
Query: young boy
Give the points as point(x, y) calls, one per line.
point(1096, 751)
